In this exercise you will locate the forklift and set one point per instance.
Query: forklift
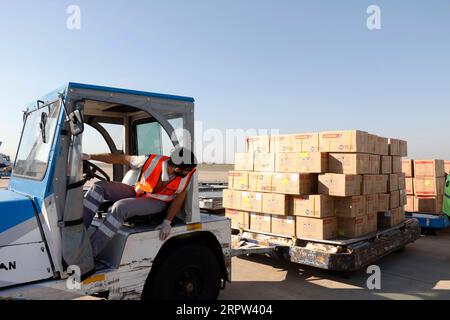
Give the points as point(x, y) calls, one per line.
point(45, 251)
point(432, 223)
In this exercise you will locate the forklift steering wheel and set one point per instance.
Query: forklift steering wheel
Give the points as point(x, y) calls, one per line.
point(90, 172)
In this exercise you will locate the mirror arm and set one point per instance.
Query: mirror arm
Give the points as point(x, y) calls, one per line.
point(61, 96)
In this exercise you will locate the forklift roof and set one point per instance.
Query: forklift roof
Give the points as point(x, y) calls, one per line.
point(72, 85)
point(133, 92)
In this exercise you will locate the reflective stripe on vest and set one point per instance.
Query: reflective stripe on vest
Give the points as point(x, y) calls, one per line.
point(151, 167)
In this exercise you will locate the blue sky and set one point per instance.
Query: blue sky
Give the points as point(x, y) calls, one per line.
point(296, 66)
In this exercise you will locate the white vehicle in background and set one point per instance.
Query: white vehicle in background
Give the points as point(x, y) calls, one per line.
point(5, 161)
point(5, 165)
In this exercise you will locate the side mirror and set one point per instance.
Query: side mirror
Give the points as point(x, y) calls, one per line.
point(76, 122)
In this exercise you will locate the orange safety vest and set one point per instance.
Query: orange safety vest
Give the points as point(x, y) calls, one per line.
point(150, 176)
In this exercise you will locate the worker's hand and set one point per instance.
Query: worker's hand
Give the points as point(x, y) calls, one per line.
point(165, 229)
point(138, 190)
point(85, 156)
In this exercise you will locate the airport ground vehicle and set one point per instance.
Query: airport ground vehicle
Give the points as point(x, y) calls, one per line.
point(340, 255)
point(430, 222)
point(43, 242)
point(433, 222)
point(5, 165)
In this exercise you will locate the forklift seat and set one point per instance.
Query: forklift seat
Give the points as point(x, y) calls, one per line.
point(137, 220)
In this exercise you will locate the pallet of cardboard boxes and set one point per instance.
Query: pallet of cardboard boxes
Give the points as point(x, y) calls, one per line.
point(320, 186)
point(425, 183)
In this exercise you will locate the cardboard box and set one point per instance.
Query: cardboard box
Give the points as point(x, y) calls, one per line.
point(393, 182)
point(428, 204)
point(252, 182)
point(281, 143)
point(238, 180)
point(447, 166)
point(372, 223)
point(383, 202)
point(261, 181)
point(231, 199)
point(394, 147)
point(303, 162)
point(401, 217)
point(343, 141)
point(305, 142)
point(408, 168)
point(382, 146)
point(396, 164)
point(386, 165)
point(374, 164)
point(260, 222)
point(294, 183)
point(388, 219)
point(243, 161)
point(318, 229)
point(409, 186)
point(350, 207)
point(403, 198)
point(264, 162)
point(409, 204)
point(349, 163)
point(429, 186)
point(372, 143)
point(251, 201)
point(352, 227)
point(258, 144)
point(340, 185)
point(315, 206)
point(368, 184)
point(275, 203)
point(403, 148)
point(429, 168)
point(230, 179)
point(401, 181)
point(381, 182)
point(284, 226)
point(371, 203)
point(239, 219)
point(394, 199)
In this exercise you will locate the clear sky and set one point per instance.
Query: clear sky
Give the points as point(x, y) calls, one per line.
point(296, 66)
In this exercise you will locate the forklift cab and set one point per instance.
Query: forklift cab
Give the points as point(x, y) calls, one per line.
point(49, 176)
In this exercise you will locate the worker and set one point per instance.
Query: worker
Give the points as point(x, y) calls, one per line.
point(446, 207)
point(163, 184)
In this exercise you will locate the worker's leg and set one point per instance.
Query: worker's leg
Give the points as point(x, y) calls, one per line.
point(120, 211)
point(101, 191)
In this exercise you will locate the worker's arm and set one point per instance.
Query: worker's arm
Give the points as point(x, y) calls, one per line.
point(176, 205)
point(174, 208)
point(111, 158)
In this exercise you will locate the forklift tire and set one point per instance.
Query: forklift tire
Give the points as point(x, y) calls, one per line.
point(187, 272)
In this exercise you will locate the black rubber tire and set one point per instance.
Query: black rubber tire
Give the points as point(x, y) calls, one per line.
point(187, 272)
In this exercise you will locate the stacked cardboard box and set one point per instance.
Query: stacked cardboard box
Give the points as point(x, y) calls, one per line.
point(317, 185)
point(425, 183)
